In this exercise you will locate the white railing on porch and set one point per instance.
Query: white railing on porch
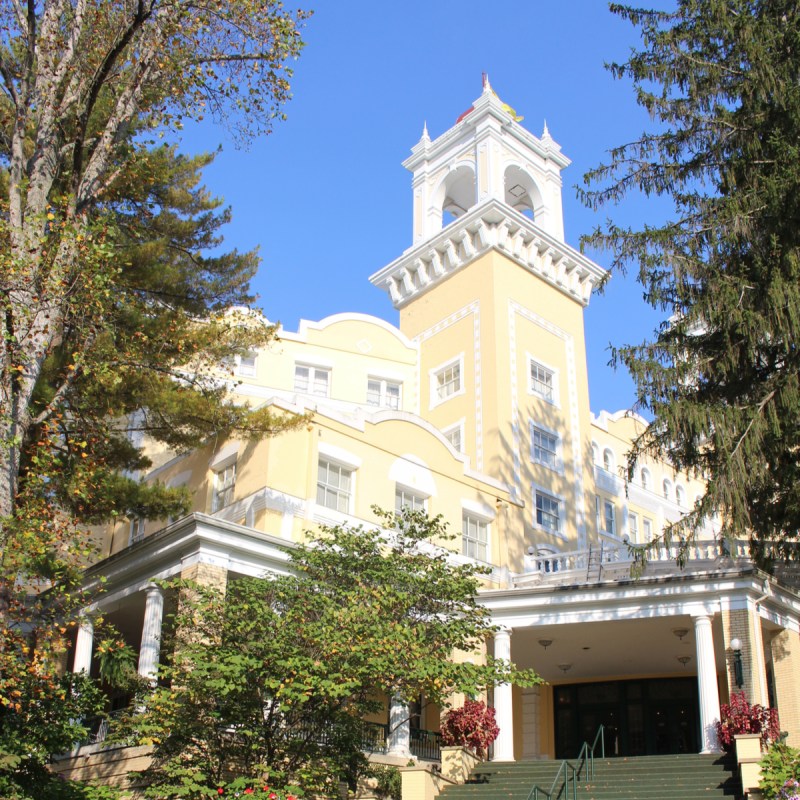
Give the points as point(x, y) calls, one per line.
point(615, 560)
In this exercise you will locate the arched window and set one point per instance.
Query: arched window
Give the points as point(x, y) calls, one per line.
point(680, 496)
point(667, 489)
point(645, 478)
point(608, 460)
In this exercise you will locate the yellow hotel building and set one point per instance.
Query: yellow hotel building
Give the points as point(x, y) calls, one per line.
point(476, 407)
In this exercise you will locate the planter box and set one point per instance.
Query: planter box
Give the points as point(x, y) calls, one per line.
point(457, 763)
point(748, 756)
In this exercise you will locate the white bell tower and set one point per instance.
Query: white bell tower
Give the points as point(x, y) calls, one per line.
point(486, 155)
point(487, 184)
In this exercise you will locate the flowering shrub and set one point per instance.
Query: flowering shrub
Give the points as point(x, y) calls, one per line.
point(780, 773)
point(245, 788)
point(739, 717)
point(790, 790)
point(473, 726)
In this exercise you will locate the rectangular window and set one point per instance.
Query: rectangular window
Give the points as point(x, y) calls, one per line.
point(633, 527)
point(647, 527)
point(609, 517)
point(453, 435)
point(475, 537)
point(246, 365)
point(405, 498)
point(448, 381)
point(311, 380)
point(383, 393)
point(334, 486)
point(542, 381)
point(548, 512)
point(224, 485)
point(545, 446)
point(136, 533)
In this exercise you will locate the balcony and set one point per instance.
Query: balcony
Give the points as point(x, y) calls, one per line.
point(610, 561)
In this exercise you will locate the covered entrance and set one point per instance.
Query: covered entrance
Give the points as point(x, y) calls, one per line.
point(656, 716)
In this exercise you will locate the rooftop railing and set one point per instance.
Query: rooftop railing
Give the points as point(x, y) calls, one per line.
point(612, 559)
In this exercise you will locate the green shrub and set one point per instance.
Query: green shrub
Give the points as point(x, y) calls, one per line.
point(388, 783)
point(779, 766)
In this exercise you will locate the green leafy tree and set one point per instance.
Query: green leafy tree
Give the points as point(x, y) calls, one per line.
point(275, 677)
point(111, 303)
point(41, 713)
point(721, 378)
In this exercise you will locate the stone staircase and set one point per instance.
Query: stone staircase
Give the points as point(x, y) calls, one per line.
point(678, 777)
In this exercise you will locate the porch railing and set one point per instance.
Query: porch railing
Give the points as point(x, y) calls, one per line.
point(619, 553)
point(423, 744)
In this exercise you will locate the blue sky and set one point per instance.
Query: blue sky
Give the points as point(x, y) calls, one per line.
point(325, 198)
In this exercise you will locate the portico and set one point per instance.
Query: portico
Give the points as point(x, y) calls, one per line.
point(624, 643)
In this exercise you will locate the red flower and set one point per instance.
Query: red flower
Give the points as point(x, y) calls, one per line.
point(273, 796)
point(220, 790)
point(248, 791)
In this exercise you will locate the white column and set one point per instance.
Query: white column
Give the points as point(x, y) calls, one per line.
point(504, 714)
point(83, 646)
point(399, 741)
point(707, 684)
point(151, 632)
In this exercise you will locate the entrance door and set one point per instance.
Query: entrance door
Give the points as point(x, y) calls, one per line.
point(642, 717)
point(673, 728)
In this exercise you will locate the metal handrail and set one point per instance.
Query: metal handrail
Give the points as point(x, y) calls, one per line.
point(586, 755)
point(572, 774)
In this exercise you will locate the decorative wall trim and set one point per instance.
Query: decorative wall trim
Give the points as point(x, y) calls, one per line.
point(574, 428)
point(443, 324)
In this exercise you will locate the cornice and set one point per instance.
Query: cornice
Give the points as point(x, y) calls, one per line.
point(194, 537)
point(492, 225)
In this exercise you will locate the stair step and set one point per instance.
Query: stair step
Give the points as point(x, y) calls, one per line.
point(683, 777)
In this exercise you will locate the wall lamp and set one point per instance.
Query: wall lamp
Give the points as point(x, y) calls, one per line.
point(738, 672)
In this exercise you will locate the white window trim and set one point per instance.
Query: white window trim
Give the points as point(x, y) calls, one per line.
point(332, 452)
point(477, 516)
point(435, 400)
point(219, 470)
point(614, 522)
point(558, 467)
point(225, 457)
point(246, 371)
point(530, 361)
point(415, 492)
point(353, 470)
point(387, 375)
point(312, 366)
point(382, 400)
point(136, 530)
point(477, 509)
point(310, 360)
point(633, 534)
point(562, 508)
point(458, 426)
